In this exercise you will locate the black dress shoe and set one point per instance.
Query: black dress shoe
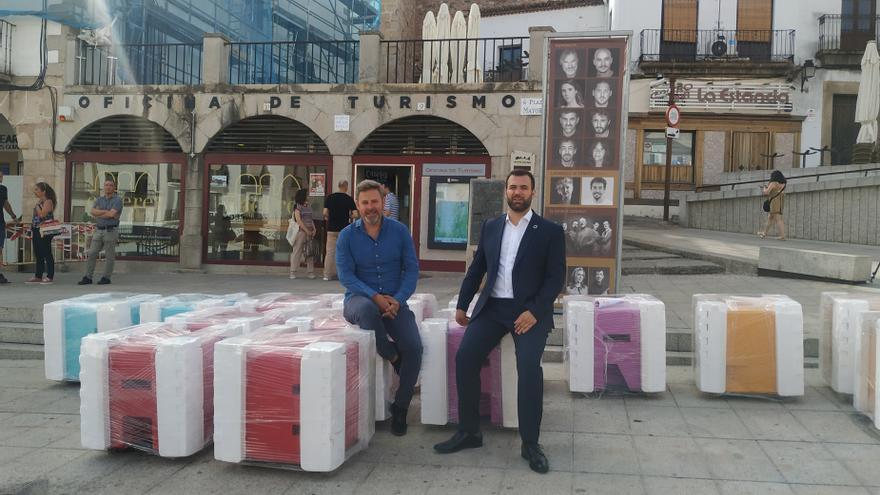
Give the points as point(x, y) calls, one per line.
point(460, 441)
point(104, 281)
point(84, 281)
point(398, 420)
point(537, 460)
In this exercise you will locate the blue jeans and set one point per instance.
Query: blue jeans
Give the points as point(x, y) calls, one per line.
point(407, 344)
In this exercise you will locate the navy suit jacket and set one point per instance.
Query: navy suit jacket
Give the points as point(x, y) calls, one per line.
point(538, 272)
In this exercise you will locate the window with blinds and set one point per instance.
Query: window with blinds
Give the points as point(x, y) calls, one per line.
point(747, 150)
point(754, 20)
point(680, 20)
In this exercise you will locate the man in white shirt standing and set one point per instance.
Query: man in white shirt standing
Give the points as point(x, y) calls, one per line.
point(522, 256)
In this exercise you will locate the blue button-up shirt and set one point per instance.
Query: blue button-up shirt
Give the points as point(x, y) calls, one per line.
point(386, 265)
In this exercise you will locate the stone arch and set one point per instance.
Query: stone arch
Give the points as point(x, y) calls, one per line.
point(122, 132)
point(421, 134)
point(267, 134)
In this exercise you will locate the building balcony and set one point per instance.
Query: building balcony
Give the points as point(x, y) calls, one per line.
point(842, 39)
point(717, 52)
point(454, 61)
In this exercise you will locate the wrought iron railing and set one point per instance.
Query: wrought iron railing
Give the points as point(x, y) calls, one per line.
point(294, 62)
point(455, 60)
point(145, 63)
point(847, 32)
point(687, 45)
point(6, 31)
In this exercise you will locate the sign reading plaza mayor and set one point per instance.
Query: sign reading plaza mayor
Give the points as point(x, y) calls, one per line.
point(585, 118)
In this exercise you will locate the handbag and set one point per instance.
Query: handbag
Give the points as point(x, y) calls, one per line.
point(292, 230)
point(767, 202)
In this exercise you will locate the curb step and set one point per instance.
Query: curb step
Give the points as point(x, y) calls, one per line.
point(21, 333)
point(21, 351)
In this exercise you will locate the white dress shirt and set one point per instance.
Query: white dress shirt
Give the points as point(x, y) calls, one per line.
point(511, 238)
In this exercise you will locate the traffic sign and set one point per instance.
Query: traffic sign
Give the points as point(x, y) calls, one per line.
point(673, 115)
point(672, 132)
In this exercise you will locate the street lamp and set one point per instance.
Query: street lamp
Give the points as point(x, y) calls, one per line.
point(808, 71)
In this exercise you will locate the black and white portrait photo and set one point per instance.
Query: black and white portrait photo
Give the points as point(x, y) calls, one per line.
point(566, 153)
point(600, 123)
point(570, 94)
point(576, 285)
point(586, 233)
point(570, 63)
point(565, 190)
point(601, 93)
point(603, 62)
point(598, 281)
point(597, 191)
point(569, 124)
point(599, 153)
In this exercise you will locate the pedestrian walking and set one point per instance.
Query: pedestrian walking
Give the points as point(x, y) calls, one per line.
point(339, 209)
point(44, 272)
point(522, 258)
point(107, 209)
point(392, 203)
point(775, 204)
point(302, 243)
point(379, 269)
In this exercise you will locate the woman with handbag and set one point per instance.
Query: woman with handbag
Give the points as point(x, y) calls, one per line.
point(43, 213)
point(303, 239)
point(775, 191)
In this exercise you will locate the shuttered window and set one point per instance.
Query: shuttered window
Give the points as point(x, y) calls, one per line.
point(754, 20)
point(680, 20)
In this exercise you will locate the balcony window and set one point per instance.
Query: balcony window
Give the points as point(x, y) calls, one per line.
point(679, 36)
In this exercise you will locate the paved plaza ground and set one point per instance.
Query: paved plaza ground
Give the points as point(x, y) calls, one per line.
point(679, 441)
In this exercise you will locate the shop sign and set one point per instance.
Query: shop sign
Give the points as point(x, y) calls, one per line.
point(724, 95)
point(522, 159)
point(8, 142)
point(531, 106)
point(454, 170)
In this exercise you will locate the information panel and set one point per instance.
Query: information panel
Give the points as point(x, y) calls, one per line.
point(585, 95)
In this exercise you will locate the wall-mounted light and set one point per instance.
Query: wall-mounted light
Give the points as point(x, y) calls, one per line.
point(808, 71)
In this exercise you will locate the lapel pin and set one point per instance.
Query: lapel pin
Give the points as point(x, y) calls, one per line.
point(535, 226)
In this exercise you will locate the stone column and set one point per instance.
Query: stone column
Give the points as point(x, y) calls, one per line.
point(370, 63)
point(191, 239)
point(341, 170)
point(216, 51)
point(538, 51)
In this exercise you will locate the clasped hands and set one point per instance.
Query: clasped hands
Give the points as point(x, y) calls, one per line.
point(388, 306)
point(523, 323)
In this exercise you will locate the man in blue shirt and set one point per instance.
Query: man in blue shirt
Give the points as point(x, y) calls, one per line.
point(376, 262)
point(106, 211)
point(392, 204)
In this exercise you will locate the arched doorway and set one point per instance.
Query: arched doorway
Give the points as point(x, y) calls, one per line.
point(149, 168)
point(254, 168)
point(428, 163)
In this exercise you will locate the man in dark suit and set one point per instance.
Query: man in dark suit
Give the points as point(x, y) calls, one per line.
point(523, 258)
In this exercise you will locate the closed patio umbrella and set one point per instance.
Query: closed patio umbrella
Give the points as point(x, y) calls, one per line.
point(444, 27)
point(474, 71)
point(429, 48)
point(457, 53)
point(868, 103)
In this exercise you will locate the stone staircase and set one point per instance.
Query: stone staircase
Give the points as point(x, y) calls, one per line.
point(21, 333)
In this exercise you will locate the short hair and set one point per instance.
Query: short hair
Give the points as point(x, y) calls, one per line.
point(601, 112)
point(342, 182)
point(301, 196)
point(566, 53)
point(599, 180)
point(111, 181)
point(368, 185)
point(519, 172)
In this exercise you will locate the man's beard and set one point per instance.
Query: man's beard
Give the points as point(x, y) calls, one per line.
point(597, 196)
point(372, 218)
point(519, 207)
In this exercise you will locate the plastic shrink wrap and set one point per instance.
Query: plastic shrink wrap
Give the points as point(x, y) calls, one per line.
point(441, 339)
point(748, 344)
point(290, 399)
point(150, 387)
point(159, 309)
point(865, 397)
point(67, 321)
point(838, 333)
point(615, 342)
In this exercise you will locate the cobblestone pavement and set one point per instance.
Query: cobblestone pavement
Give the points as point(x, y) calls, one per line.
point(680, 441)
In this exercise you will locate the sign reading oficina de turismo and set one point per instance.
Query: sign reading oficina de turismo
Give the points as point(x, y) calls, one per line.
point(724, 95)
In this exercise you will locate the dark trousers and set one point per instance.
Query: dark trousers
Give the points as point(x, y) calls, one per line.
point(407, 344)
point(482, 335)
point(43, 254)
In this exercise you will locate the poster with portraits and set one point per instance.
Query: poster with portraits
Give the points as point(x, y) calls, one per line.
point(585, 120)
